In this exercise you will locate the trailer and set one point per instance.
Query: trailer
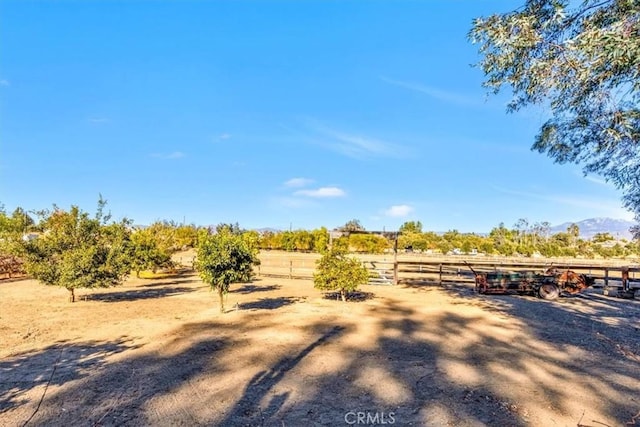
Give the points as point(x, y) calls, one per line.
point(548, 285)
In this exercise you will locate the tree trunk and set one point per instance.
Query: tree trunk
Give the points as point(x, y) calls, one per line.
point(72, 295)
point(343, 294)
point(137, 274)
point(221, 296)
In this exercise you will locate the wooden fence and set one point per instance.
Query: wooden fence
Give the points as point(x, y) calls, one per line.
point(385, 270)
point(10, 267)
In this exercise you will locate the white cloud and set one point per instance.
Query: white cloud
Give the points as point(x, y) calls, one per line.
point(439, 94)
point(353, 145)
point(322, 192)
point(174, 155)
point(4, 82)
point(225, 136)
point(594, 179)
point(398, 211)
point(298, 182)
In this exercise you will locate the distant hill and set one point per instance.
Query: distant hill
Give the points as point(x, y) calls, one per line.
point(267, 230)
point(618, 228)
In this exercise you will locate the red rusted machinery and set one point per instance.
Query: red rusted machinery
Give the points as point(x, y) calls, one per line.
point(548, 285)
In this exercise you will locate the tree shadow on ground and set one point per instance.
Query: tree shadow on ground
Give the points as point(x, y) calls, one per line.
point(249, 288)
point(175, 274)
point(269, 303)
point(262, 384)
point(54, 365)
point(138, 294)
point(170, 283)
point(184, 281)
point(589, 310)
point(5, 280)
point(117, 393)
point(454, 367)
point(398, 376)
point(355, 296)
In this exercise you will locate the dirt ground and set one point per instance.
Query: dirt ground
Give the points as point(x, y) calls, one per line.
point(158, 352)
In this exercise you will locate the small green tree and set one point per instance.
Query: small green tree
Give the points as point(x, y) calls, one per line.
point(76, 251)
point(224, 258)
point(337, 272)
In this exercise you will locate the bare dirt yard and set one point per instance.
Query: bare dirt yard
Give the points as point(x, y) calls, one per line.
point(158, 352)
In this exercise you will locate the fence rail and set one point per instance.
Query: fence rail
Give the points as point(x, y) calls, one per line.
point(386, 271)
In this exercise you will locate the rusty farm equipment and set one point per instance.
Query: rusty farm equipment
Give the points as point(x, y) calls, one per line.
point(548, 285)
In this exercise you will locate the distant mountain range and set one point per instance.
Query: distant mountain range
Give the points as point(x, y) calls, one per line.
point(618, 228)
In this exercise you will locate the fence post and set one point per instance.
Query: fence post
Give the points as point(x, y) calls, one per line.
point(625, 279)
point(395, 272)
point(290, 269)
point(395, 261)
point(606, 278)
point(440, 274)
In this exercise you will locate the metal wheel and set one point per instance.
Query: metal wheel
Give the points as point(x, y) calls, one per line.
point(549, 291)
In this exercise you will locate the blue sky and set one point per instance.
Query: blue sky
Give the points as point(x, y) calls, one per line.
point(273, 114)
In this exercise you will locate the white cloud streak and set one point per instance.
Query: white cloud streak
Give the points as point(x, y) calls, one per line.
point(298, 182)
point(439, 94)
point(398, 211)
point(322, 192)
point(358, 147)
point(225, 136)
point(4, 82)
point(594, 179)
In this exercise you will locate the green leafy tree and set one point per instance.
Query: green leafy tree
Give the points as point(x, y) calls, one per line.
point(368, 243)
point(602, 237)
point(147, 253)
point(573, 230)
point(76, 251)
point(411, 236)
point(303, 240)
point(353, 225)
point(251, 238)
point(338, 272)
point(11, 246)
point(287, 241)
point(341, 243)
point(411, 227)
point(224, 258)
point(164, 233)
point(10, 235)
point(582, 60)
point(186, 236)
point(268, 240)
point(487, 246)
point(21, 221)
point(320, 239)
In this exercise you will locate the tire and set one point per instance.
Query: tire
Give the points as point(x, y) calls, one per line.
point(549, 291)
